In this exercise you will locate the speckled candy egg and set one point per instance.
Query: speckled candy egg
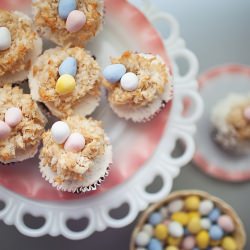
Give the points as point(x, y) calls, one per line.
point(155, 244)
point(172, 248)
point(192, 203)
point(75, 143)
point(215, 232)
point(214, 214)
point(188, 243)
point(216, 248)
point(202, 239)
point(176, 206)
point(155, 218)
point(114, 72)
point(229, 243)
point(205, 223)
point(60, 132)
point(65, 7)
point(142, 239)
point(161, 232)
point(75, 21)
point(206, 206)
point(194, 225)
point(226, 223)
point(4, 130)
point(13, 116)
point(175, 229)
point(5, 41)
point(149, 229)
point(129, 81)
point(68, 66)
point(180, 217)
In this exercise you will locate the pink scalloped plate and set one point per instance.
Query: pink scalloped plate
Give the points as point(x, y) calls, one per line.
point(125, 28)
point(215, 85)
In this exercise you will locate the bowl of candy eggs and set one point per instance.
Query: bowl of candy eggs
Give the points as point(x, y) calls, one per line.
point(189, 220)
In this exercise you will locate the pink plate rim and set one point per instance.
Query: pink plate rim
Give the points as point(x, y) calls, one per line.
point(209, 168)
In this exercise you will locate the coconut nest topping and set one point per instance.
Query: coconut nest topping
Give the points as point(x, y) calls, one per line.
point(52, 27)
point(28, 133)
point(13, 60)
point(72, 166)
point(45, 73)
point(152, 74)
point(238, 121)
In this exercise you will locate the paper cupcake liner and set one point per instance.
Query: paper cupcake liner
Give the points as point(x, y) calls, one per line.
point(92, 178)
point(239, 234)
point(145, 114)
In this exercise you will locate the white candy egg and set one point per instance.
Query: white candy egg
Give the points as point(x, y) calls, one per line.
point(175, 229)
point(149, 229)
point(175, 206)
point(142, 239)
point(5, 38)
point(60, 132)
point(205, 223)
point(129, 81)
point(206, 206)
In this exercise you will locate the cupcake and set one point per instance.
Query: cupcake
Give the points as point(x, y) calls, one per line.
point(231, 121)
point(189, 220)
point(21, 125)
point(139, 86)
point(68, 22)
point(67, 81)
point(20, 45)
point(76, 154)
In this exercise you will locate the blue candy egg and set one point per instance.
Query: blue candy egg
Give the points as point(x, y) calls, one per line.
point(114, 72)
point(155, 244)
point(65, 7)
point(155, 218)
point(68, 66)
point(215, 232)
point(214, 215)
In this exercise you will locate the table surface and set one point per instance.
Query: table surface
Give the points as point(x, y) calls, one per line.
point(218, 32)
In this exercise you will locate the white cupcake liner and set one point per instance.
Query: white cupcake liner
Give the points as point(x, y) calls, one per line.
point(31, 56)
point(144, 114)
point(92, 178)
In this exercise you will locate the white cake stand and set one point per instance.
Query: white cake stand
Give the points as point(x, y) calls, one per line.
point(133, 192)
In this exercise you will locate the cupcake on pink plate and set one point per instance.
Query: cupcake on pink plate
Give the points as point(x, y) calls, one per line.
point(231, 120)
point(68, 22)
point(21, 125)
point(20, 45)
point(139, 85)
point(76, 154)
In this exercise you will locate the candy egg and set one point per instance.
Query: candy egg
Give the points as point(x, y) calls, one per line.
point(164, 212)
point(193, 215)
point(161, 232)
point(114, 72)
point(60, 132)
point(215, 243)
point(75, 143)
point(206, 206)
point(205, 223)
point(215, 232)
point(129, 81)
point(68, 66)
point(155, 244)
point(202, 239)
point(175, 206)
point(247, 113)
point(228, 243)
point(192, 203)
point(147, 228)
point(5, 41)
point(172, 241)
point(216, 248)
point(141, 248)
point(75, 21)
point(4, 130)
point(226, 223)
point(214, 215)
point(180, 217)
point(188, 243)
point(13, 116)
point(155, 218)
point(194, 225)
point(172, 248)
point(142, 239)
point(175, 229)
point(65, 84)
point(65, 7)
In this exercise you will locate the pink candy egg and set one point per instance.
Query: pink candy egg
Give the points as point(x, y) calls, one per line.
point(4, 130)
point(13, 116)
point(75, 21)
point(226, 223)
point(188, 243)
point(75, 143)
point(247, 113)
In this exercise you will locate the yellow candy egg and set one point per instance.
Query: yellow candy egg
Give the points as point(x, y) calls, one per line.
point(194, 225)
point(180, 217)
point(174, 241)
point(228, 243)
point(65, 84)
point(202, 239)
point(215, 243)
point(193, 215)
point(161, 232)
point(192, 203)
point(171, 248)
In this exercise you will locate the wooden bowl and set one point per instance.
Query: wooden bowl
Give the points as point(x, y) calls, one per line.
point(239, 234)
